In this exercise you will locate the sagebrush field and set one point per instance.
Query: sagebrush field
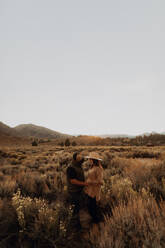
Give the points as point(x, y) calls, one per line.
point(34, 211)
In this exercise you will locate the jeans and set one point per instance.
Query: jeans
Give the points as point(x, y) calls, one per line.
point(76, 199)
point(94, 210)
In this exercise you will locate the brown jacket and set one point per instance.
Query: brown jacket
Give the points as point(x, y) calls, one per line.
point(94, 175)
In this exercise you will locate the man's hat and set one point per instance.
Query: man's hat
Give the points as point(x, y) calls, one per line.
point(94, 155)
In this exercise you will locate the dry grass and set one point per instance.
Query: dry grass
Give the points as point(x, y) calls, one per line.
point(132, 198)
point(139, 223)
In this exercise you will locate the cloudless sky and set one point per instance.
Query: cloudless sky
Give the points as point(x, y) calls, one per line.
point(83, 67)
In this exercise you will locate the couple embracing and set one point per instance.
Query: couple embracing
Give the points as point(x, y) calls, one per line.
point(85, 192)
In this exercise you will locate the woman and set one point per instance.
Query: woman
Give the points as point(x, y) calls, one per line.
point(94, 180)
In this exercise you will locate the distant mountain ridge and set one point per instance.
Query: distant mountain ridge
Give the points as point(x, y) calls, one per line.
point(128, 136)
point(116, 136)
point(31, 130)
point(39, 131)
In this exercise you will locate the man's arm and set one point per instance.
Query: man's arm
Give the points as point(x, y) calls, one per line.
point(77, 182)
point(72, 177)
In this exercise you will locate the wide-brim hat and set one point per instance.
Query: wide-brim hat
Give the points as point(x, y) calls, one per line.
point(94, 155)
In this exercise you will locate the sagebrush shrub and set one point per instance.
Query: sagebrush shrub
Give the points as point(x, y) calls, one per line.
point(9, 226)
point(39, 221)
point(7, 187)
point(138, 224)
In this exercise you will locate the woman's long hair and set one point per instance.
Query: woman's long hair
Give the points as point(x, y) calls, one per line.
point(95, 162)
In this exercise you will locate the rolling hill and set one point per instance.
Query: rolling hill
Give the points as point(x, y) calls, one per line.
point(9, 136)
point(32, 130)
point(6, 130)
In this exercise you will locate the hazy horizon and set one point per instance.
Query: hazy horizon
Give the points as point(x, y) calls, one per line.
point(83, 67)
point(76, 134)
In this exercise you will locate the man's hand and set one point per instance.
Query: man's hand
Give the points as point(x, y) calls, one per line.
point(94, 183)
point(79, 183)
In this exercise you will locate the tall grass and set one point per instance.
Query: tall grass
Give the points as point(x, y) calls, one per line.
point(34, 211)
point(139, 223)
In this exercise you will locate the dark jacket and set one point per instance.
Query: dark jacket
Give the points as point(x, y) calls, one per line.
point(75, 171)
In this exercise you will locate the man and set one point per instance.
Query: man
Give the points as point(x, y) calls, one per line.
point(75, 185)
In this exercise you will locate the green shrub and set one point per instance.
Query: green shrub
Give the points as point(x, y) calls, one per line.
point(74, 143)
point(67, 142)
point(61, 143)
point(34, 143)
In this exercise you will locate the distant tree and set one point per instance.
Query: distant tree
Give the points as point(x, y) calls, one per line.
point(34, 143)
point(61, 143)
point(67, 142)
point(74, 143)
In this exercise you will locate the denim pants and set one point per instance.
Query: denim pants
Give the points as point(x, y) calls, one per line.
point(76, 199)
point(94, 210)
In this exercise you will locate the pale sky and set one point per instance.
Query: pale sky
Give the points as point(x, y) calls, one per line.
point(83, 66)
